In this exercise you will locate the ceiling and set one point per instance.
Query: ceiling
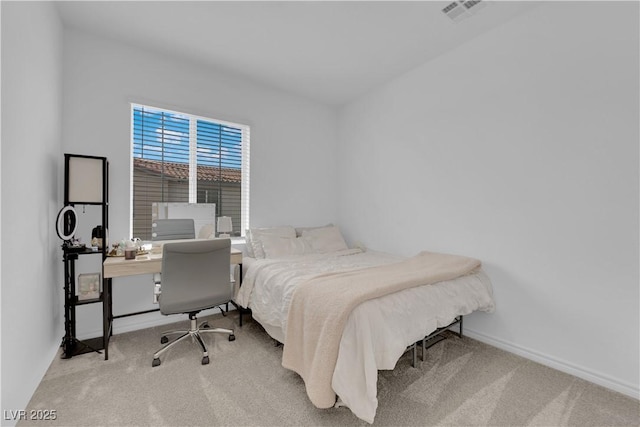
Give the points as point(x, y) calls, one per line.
point(328, 51)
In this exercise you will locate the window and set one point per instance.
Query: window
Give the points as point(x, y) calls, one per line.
point(179, 157)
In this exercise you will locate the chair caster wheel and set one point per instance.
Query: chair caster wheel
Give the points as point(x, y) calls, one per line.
point(156, 362)
point(164, 340)
point(232, 337)
point(205, 360)
point(206, 326)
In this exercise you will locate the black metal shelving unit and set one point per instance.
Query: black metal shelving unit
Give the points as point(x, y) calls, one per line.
point(71, 345)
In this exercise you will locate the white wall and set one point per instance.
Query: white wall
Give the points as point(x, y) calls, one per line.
point(32, 311)
point(293, 176)
point(519, 148)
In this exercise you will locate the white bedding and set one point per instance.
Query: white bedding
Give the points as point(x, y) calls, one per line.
point(377, 331)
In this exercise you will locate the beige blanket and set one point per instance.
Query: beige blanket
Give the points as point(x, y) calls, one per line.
point(320, 307)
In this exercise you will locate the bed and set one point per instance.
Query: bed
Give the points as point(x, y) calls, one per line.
point(375, 332)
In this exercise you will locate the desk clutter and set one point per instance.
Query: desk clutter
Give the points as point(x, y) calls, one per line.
point(129, 249)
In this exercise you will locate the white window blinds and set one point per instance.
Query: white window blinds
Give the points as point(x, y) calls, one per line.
point(179, 157)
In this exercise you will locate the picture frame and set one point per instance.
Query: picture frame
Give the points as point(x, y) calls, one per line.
point(88, 286)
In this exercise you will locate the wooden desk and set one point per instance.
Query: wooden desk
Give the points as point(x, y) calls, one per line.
point(146, 264)
point(143, 264)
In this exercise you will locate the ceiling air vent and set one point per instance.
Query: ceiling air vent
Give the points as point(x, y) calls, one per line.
point(462, 9)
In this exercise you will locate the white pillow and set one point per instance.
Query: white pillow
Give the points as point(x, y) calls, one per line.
point(300, 230)
point(278, 247)
point(257, 234)
point(325, 239)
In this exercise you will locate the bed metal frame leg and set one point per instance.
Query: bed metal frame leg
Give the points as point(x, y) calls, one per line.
point(414, 355)
point(435, 337)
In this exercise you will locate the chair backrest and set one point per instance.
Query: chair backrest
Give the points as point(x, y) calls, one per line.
point(173, 229)
point(195, 275)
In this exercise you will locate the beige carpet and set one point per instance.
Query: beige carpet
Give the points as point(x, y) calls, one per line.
point(462, 382)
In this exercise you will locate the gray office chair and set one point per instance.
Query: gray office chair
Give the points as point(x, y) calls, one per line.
point(173, 229)
point(195, 276)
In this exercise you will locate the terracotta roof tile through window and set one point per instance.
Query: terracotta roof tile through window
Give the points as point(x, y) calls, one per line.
point(181, 170)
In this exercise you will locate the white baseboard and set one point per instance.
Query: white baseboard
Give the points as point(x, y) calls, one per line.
point(561, 365)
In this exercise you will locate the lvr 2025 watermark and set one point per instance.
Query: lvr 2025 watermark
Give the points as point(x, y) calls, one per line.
point(31, 415)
